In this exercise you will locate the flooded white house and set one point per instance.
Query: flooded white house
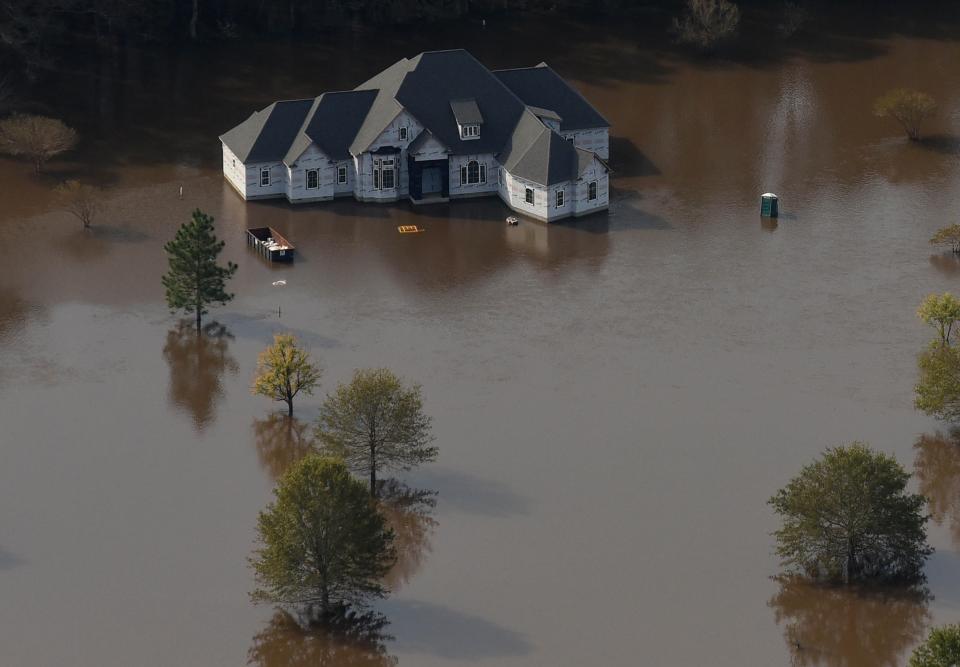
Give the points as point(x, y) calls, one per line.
point(432, 128)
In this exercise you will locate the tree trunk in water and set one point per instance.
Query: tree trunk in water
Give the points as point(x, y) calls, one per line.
point(289, 407)
point(193, 19)
point(373, 472)
point(198, 322)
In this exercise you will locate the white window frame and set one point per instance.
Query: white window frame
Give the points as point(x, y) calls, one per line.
point(529, 196)
point(471, 131)
point(316, 175)
point(402, 130)
point(342, 175)
point(264, 171)
point(559, 199)
point(592, 191)
point(387, 167)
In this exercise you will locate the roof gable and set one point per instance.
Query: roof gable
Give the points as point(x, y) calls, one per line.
point(541, 87)
point(267, 134)
point(441, 77)
point(537, 153)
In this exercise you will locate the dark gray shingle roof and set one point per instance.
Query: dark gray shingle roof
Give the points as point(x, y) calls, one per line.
point(267, 134)
point(426, 86)
point(466, 112)
point(335, 120)
point(541, 87)
point(537, 153)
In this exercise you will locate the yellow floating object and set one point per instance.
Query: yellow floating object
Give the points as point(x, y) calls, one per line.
point(410, 229)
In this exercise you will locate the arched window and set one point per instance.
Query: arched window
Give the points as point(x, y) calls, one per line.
point(473, 172)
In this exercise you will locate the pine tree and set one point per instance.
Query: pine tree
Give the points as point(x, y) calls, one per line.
point(195, 280)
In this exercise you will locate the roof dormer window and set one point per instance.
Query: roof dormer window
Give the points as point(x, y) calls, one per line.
point(468, 117)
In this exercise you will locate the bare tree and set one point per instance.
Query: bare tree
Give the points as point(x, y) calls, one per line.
point(37, 138)
point(84, 201)
point(707, 23)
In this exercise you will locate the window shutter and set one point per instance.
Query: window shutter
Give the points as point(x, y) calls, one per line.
point(463, 175)
point(483, 173)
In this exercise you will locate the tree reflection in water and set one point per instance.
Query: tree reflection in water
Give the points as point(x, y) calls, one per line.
point(353, 640)
point(836, 626)
point(197, 364)
point(281, 441)
point(937, 466)
point(409, 512)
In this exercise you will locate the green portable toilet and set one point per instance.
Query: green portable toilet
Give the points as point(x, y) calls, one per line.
point(768, 205)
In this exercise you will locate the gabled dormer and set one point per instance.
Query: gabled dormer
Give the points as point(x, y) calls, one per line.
point(468, 117)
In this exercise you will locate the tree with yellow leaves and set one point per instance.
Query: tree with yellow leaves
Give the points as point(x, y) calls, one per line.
point(284, 370)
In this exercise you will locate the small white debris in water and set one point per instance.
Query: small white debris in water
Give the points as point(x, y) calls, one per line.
point(279, 283)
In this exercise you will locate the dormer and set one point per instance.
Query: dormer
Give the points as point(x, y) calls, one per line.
point(548, 117)
point(468, 117)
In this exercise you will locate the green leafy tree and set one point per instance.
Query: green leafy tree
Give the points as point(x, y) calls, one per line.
point(284, 370)
point(948, 236)
point(194, 280)
point(848, 517)
point(938, 389)
point(940, 649)
point(941, 311)
point(376, 423)
point(324, 546)
point(908, 107)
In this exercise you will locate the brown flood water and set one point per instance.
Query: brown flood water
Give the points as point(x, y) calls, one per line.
point(614, 399)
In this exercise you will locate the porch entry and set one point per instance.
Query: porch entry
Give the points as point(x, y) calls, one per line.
point(429, 179)
point(432, 180)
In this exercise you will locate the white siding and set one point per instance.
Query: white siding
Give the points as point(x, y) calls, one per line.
point(233, 170)
point(389, 137)
point(278, 180)
point(581, 202)
point(311, 158)
point(473, 189)
point(513, 193)
point(596, 140)
point(431, 149)
point(344, 188)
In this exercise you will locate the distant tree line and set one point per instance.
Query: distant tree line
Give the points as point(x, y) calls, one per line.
point(29, 28)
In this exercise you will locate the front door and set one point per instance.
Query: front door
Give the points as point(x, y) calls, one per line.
point(432, 181)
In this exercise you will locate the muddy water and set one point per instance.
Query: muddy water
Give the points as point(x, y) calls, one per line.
point(614, 399)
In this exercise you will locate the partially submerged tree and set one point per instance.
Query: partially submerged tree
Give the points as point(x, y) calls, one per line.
point(849, 517)
point(908, 107)
point(284, 370)
point(323, 546)
point(36, 138)
point(707, 23)
point(948, 236)
point(376, 423)
point(84, 201)
point(195, 280)
point(938, 389)
point(941, 648)
point(941, 311)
